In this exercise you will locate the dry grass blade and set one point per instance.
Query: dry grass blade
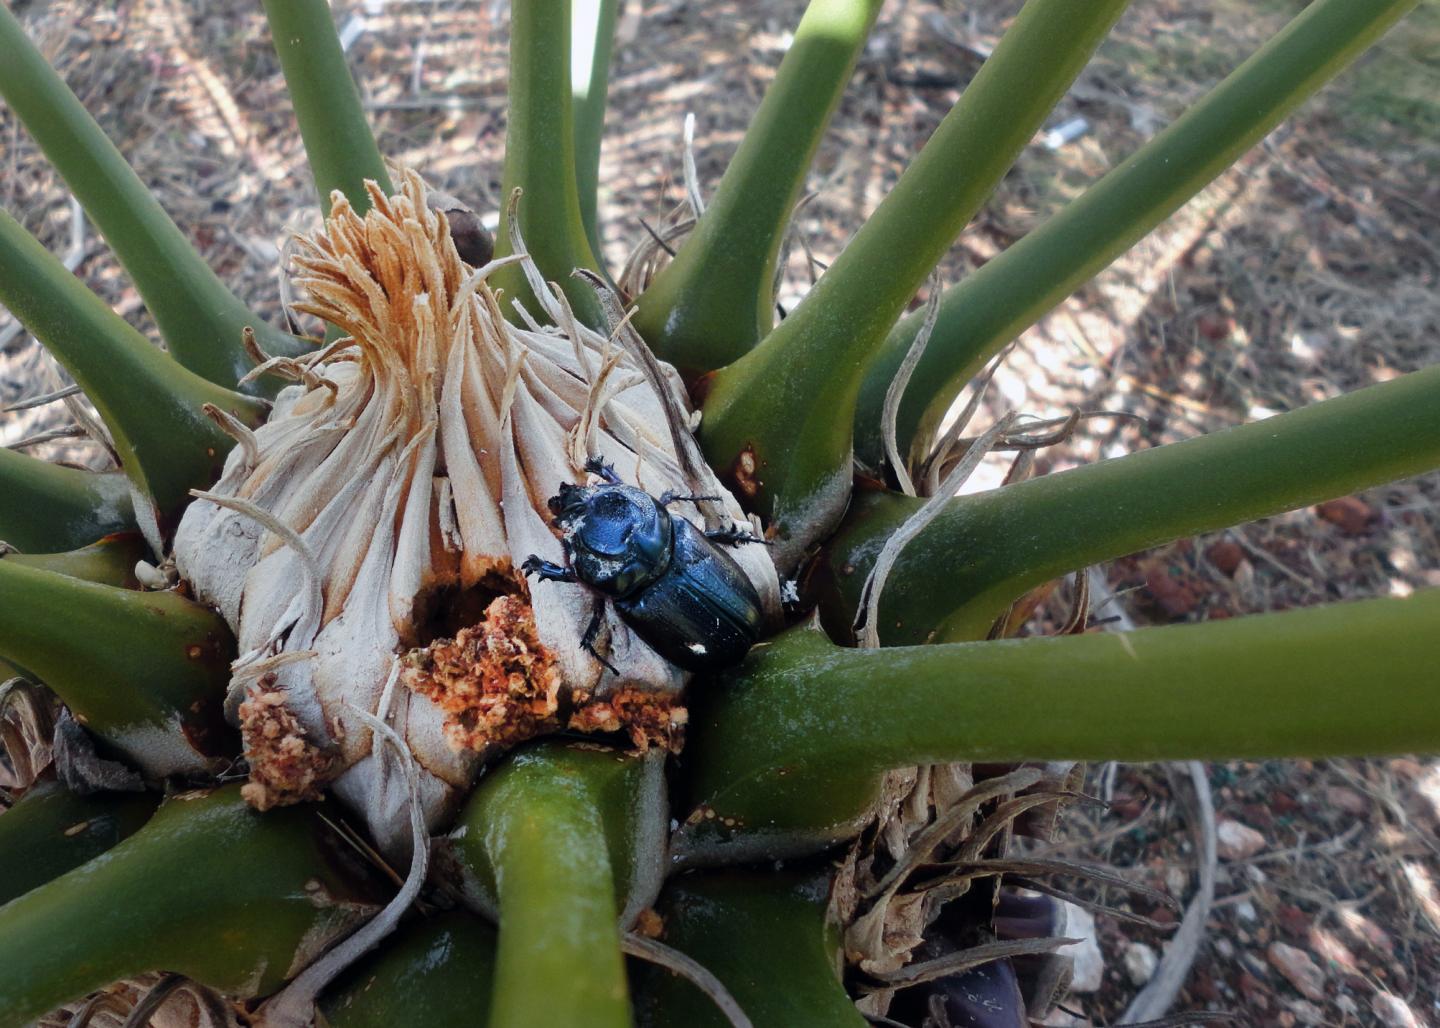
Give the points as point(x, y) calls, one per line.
point(237, 430)
point(1119, 913)
point(924, 844)
point(85, 1016)
point(928, 970)
point(896, 390)
point(1004, 816)
point(39, 401)
point(1079, 607)
point(933, 471)
point(27, 730)
point(1174, 968)
point(687, 451)
point(793, 234)
point(93, 426)
point(357, 842)
point(867, 622)
point(692, 176)
point(139, 1002)
point(153, 1000)
point(657, 237)
point(692, 971)
point(50, 436)
point(651, 253)
point(1023, 871)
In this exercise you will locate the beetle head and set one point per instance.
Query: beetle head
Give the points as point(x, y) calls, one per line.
point(618, 537)
point(569, 503)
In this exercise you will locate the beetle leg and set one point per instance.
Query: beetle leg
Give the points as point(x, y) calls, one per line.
point(735, 536)
point(667, 497)
point(587, 641)
point(546, 571)
point(597, 466)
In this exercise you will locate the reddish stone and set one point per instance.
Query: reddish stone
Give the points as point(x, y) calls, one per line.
point(1293, 920)
point(1350, 514)
point(1214, 326)
point(1257, 996)
point(1226, 555)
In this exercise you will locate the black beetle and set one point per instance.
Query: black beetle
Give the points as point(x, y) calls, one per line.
point(669, 581)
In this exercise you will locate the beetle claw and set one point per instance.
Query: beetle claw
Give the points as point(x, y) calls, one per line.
point(735, 536)
point(597, 466)
point(587, 641)
point(666, 498)
point(546, 570)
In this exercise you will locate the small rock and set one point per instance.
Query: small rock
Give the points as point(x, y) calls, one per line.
point(1347, 800)
point(1299, 970)
point(1361, 927)
point(1246, 911)
point(1293, 920)
point(1173, 589)
point(1226, 555)
point(1306, 1012)
point(1202, 986)
point(1392, 1011)
point(1254, 965)
point(1286, 803)
point(1350, 514)
point(1214, 326)
point(1405, 767)
point(1235, 841)
point(1225, 948)
point(1089, 969)
point(1257, 997)
point(1348, 1006)
point(1163, 916)
point(1177, 880)
point(1140, 963)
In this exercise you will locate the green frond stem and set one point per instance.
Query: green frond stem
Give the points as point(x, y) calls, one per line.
point(766, 936)
point(995, 303)
point(986, 550)
point(200, 319)
point(540, 160)
point(436, 972)
point(150, 404)
point(110, 560)
point(50, 830)
point(274, 881)
point(553, 840)
point(338, 142)
point(50, 507)
point(592, 40)
point(785, 409)
point(145, 671)
point(801, 714)
point(716, 300)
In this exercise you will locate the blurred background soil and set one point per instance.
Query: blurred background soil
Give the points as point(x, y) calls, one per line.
point(1308, 270)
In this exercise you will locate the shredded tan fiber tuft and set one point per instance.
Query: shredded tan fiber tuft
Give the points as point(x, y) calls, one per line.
point(650, 719)
point(497, 684)
point(285, 766)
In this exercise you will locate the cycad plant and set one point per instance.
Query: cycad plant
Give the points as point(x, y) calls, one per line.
point(293, 737)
